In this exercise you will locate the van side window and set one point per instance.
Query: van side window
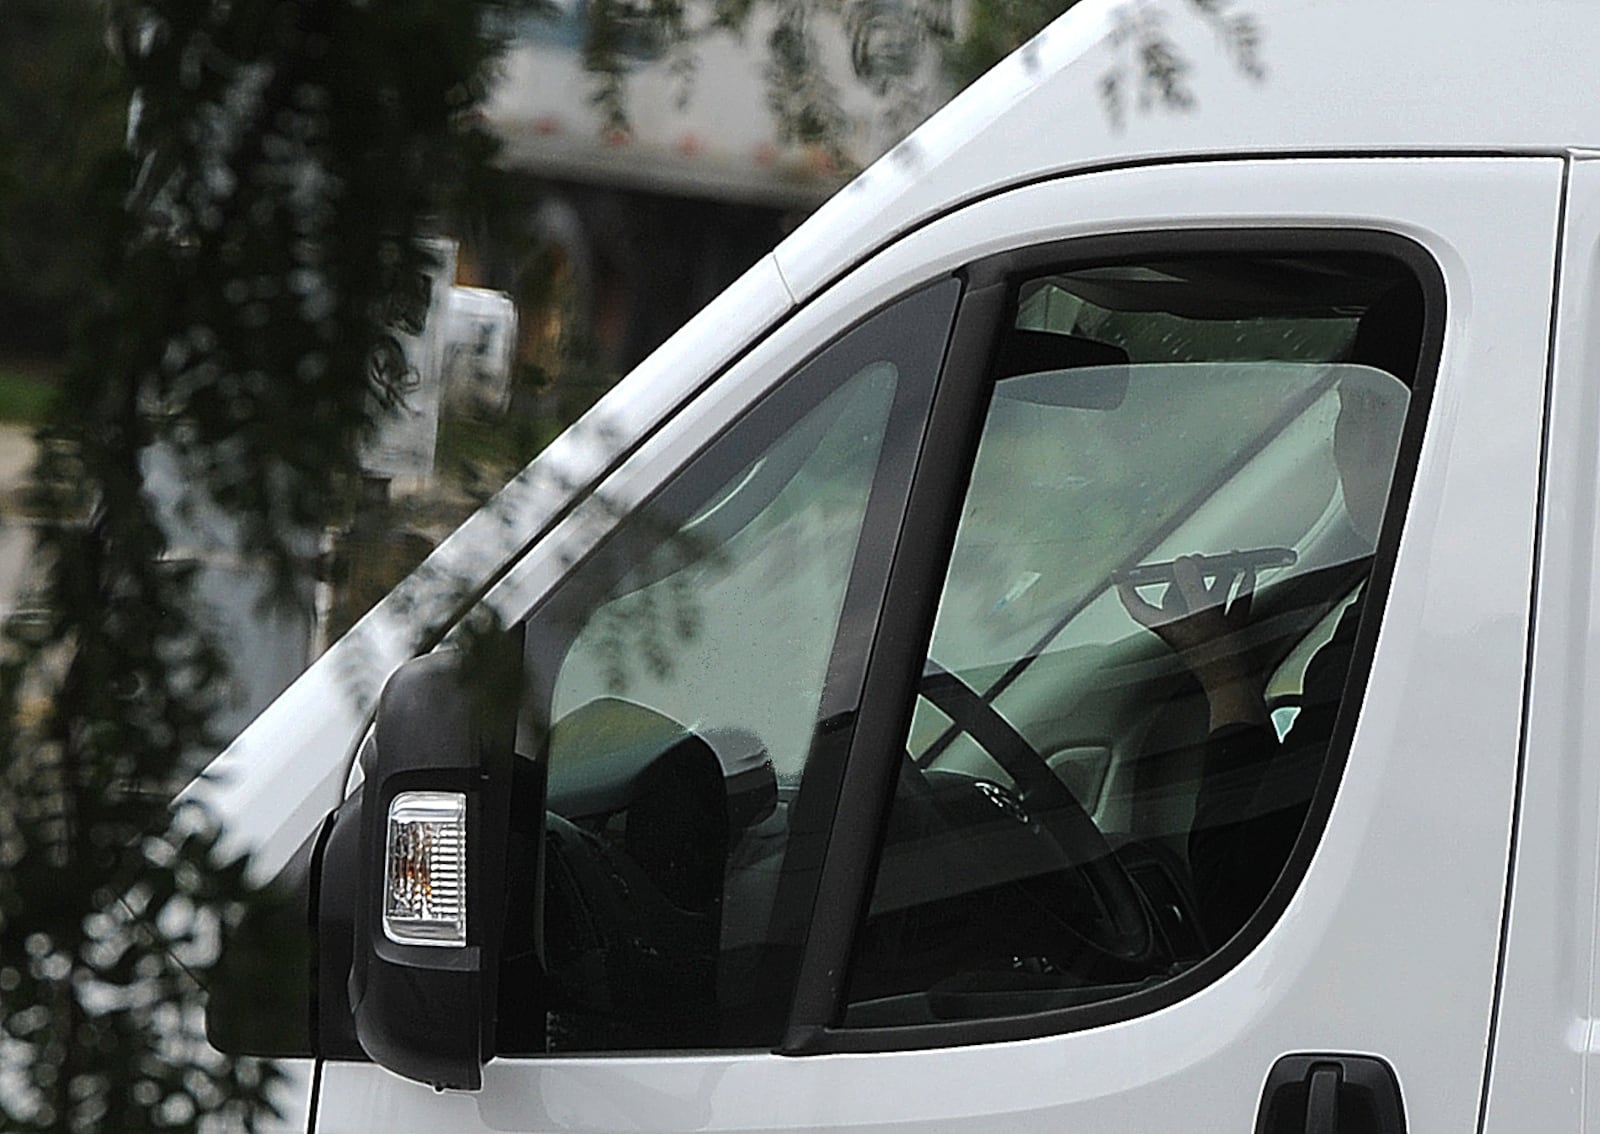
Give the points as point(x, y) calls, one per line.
point(678, 677)
point(1146, 631)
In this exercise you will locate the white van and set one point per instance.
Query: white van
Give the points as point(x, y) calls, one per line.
point(1094, 632)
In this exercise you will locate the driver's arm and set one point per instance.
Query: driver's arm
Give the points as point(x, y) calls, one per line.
point(1235, 854)
point(1239, 840)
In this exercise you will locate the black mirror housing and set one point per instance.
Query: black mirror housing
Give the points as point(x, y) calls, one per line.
point(426, 1009)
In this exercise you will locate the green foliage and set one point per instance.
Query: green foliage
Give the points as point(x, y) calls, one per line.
point(293, 150)
point(60, 121)
point(284, 155)
point(620, 30)
point(994, 31)
point(24, 397)
point(1150, 71)
point(799, 89)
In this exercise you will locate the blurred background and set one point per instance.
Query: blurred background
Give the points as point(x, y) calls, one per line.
point(636, 157)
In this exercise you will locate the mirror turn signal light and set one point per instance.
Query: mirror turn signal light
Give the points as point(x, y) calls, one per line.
point(425, 869)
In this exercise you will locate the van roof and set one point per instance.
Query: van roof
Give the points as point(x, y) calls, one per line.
point(1340, 76)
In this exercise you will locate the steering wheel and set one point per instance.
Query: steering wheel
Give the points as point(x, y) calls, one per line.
point(1125, 933)
point(1230, 563)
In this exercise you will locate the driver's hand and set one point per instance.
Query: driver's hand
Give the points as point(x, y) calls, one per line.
point(1201, 622)
point(1192, 613)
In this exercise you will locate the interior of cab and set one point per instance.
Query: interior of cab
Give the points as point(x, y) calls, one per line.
point(1219, 442)
point(1226, 418)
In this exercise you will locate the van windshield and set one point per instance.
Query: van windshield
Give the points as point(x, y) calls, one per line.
point(1108, 489)
point(1205, 426)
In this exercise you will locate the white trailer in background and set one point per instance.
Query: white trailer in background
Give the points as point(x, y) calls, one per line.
point(700, 120)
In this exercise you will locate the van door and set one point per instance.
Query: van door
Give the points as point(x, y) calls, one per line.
point(1070, 675)
point(1545, 1037)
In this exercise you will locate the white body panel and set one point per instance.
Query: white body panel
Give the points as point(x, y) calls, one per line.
point(1366, 76)
point(1546, 1037)
point(1407, 850)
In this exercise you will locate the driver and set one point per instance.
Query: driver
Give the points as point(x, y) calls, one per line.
point(1254, 789)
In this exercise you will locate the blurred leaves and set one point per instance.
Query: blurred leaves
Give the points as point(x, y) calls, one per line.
point(993, 31)
point(1151, 72)
point(60, 121)
point(910, 55)
point(248, 244)
point(289, 153)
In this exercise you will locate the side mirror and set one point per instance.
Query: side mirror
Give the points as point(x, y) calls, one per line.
point(430, 875)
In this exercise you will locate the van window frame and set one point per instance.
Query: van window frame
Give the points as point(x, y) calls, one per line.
point(916, 583)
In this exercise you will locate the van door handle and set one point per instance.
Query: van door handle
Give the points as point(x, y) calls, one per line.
point(1322, 1098)
point(1331, 1094)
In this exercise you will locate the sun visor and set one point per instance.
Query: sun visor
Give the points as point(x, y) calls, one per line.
point(1046, 368)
